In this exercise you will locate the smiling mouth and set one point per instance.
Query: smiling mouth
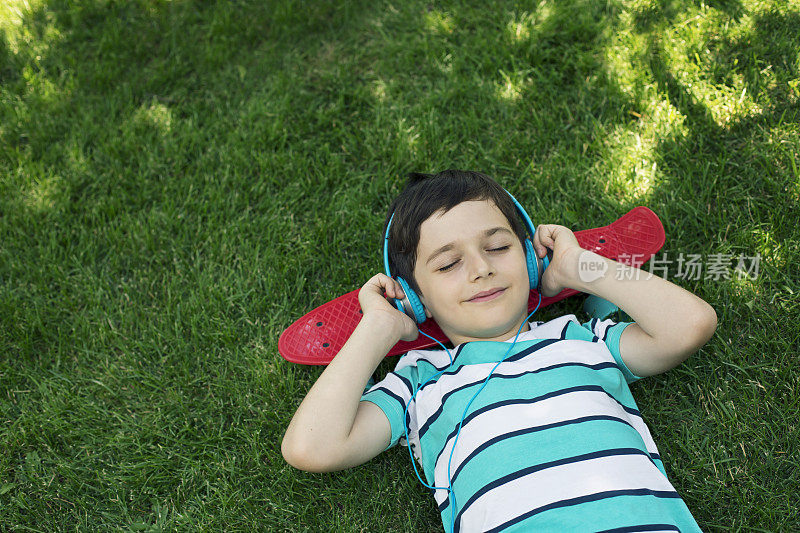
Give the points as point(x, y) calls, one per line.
point(487, 295)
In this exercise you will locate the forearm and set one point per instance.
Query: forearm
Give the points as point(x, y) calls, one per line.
point(325, 416)
point(662, 309)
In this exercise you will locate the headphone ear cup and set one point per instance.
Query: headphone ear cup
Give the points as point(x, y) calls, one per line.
point(533, 267)
point(411, 304)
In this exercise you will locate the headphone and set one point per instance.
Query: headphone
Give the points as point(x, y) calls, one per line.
point(412, 305)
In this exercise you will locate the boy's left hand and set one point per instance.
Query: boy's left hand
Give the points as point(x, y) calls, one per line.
point(563, 266)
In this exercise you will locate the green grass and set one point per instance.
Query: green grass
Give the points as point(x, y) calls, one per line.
point(180, 181)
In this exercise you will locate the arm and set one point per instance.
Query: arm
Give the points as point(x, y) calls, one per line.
point(332, 429)
point(671, 322)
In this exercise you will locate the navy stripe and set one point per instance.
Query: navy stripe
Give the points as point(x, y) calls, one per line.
point(643, 527)
point(595, 338)
point(568, 390)
point(515, 357)
point(551, 464)
point(428, 360)
point(520, 432)
point(406, 382)
point(443, 506)
point(605, 333)
point(533, 429)
point(527, 351)
point(544, 343)
point(589, 498)
point(435, 368)
point(431, 419)
point(390, 394)
point(583, 329)
point(458, 350)
point(613, 452)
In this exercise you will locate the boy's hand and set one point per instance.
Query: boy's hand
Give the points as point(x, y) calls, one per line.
point(375, 305)
point(563, 266)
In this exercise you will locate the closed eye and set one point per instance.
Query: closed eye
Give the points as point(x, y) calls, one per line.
point(454, 263)
point(448, 267)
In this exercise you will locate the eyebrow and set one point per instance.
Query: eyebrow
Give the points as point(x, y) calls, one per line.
point(449, 246)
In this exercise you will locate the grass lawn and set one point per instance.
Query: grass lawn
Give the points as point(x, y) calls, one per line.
point(180, 181)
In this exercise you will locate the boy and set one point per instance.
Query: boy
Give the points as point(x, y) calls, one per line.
point(554, 441)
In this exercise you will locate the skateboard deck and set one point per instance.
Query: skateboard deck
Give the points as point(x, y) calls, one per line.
point(316, 337)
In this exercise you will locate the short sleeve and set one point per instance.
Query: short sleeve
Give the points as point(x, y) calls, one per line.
point(391, 395)
point(610, 332)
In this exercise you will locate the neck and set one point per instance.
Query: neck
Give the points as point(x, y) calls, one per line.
point(457, 339)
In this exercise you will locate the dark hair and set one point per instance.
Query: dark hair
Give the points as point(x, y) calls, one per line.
point(426, 194)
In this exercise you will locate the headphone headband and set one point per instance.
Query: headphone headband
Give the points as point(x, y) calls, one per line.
point(524, 215)
point(525, 218)
point(386, 247)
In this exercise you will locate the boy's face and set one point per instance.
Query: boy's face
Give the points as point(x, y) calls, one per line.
point(471, 272)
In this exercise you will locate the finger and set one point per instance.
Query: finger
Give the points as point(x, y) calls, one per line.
point(387, 285)
point(398, 289)
point(379, 283)
point(543, 239)
point(392, 288)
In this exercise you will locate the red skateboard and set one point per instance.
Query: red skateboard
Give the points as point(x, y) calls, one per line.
point(316, 337)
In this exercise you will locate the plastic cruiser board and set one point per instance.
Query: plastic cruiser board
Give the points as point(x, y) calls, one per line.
point(316, 337)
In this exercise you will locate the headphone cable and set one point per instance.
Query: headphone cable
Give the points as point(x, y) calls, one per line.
point(449, 488)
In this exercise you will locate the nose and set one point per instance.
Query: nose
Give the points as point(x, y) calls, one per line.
point(480, 267)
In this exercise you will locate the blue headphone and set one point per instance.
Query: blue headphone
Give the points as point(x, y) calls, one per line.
point(412, 305)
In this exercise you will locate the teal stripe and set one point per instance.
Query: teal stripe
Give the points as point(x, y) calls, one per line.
point(633, 452)
point(478, 352)
point(393, 412)
point(529, 385)
point(609, 513)
point(474, 353)
point(391, 405)
point(612, 336)
point(575, 331)
point(505, 457)
point(660, 466)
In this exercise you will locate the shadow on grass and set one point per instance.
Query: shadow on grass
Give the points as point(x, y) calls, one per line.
point(119, 61)
point(196, 114)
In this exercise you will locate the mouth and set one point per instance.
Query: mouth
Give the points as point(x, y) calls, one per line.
point(485, 296)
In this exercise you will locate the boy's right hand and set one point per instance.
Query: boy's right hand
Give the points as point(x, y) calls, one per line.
point(374, 304)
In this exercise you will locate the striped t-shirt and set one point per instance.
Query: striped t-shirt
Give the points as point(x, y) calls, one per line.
point(554, 442)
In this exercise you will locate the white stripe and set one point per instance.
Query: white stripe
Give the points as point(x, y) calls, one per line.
point(437, 358)
point(549, 355)
point(602, 326)
point(429, 399)
point(427, 402)
point(507, 418)
point(394, 383)
point(440, 359)
point(564, 482)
